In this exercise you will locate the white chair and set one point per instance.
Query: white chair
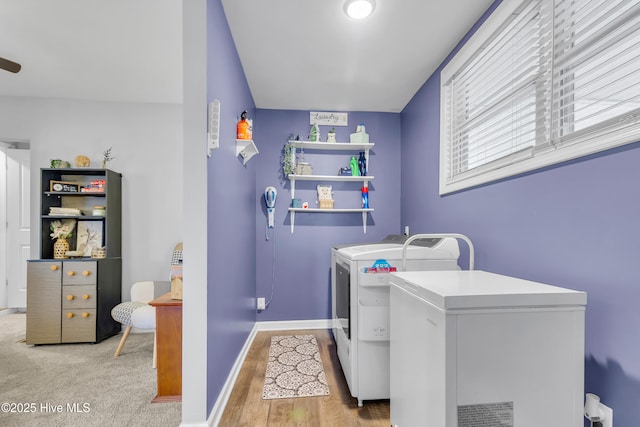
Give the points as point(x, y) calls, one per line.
point(137, 312)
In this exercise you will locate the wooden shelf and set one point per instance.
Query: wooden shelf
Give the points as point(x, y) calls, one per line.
point(78, 193)
point(78, 217)
point(364, 212)
point(335, 210)
point(337, 146)
point(347, 146)
point(110, 198)
point(347, 178)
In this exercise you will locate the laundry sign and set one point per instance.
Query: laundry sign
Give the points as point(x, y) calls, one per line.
point(328, 118)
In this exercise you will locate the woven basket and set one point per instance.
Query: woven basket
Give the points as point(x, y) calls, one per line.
point(60, 248)
point(99, 253)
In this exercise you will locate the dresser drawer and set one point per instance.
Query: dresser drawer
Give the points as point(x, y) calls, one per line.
point(79, 273)
point(79, 325)
point(78, 296)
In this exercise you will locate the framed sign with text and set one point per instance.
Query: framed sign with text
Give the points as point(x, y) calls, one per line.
point(64, 187)
point(328, 118)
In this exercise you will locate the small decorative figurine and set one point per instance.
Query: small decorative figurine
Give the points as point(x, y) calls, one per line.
point(314, 133)
point(82, 161)
point(331, 136)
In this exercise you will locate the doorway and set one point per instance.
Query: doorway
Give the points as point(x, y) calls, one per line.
point(15, 211)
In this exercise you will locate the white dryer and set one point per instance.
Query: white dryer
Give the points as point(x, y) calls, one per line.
point(360, 304)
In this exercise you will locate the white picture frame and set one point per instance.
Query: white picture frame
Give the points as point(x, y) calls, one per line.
point(89, 237)
point(328, 118)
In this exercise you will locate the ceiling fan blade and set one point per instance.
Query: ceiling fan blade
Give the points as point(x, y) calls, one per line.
point(10, 66)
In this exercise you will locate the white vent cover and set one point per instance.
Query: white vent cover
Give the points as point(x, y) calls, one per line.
point(213, 130)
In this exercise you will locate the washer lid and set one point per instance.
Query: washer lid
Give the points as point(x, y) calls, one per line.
point(391, 238)
point(358, 252)
point(446, 249)
point(481, 289)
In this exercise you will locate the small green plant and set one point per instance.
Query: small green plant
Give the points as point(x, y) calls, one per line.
point(288, 159)
point(57, 164)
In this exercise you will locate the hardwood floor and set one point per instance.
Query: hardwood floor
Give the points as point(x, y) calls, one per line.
point(247, 408)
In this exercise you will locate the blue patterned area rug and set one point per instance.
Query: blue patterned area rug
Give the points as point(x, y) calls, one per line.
point(294, 368)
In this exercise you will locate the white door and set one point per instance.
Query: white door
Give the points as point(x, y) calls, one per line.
point(18, 226)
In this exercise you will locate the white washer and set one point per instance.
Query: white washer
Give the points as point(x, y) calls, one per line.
point(476, 348)
point(360, 304)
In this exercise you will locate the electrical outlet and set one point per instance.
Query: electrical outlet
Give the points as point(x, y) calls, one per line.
point(261, 304)
point(604, 418)
point(608, 416)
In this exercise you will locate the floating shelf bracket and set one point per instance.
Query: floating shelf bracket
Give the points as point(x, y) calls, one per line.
point(246, 149)
point(365, 211)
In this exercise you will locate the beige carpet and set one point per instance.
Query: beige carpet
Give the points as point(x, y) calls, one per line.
point(294, 368)
point(78, 384)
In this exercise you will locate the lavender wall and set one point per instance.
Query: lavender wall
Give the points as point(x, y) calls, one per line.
point(574, 225)
point(302, 259)
point(231, 210)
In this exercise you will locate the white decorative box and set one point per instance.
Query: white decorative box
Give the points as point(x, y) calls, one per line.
point(325, 204)
point(304, 169)
point(359, 138)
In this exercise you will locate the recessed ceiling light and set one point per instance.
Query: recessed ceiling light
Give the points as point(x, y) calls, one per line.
point(358, 9)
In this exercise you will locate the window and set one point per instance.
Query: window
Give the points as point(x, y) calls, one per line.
point(596, 63)
point(541, 82)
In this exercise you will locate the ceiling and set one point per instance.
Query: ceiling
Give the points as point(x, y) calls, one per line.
point(308, 55)
point(296, 54)
point(114, 50)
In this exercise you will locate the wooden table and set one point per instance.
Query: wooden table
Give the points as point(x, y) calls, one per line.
point(169, 348)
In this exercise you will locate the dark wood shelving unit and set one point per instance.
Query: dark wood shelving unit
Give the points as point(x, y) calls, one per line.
point(70, 300)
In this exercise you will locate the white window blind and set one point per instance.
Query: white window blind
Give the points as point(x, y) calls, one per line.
point(596, 73)
point(541, 81)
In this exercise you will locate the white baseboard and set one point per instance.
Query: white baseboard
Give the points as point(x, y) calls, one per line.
point(223, 397)
point(8, 311)
point(205, 424)
point(294, 325)
point(286, 325)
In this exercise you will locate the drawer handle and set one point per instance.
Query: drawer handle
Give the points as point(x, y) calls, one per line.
point(53, 267)
point(85, 314)
point(86, 273)
point(70, 297)
point(85, 296)
point(71, 273)
point(69, 315)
